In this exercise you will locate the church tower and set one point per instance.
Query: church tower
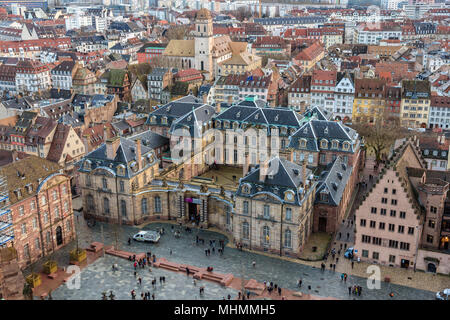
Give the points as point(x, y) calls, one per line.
point(203, 36)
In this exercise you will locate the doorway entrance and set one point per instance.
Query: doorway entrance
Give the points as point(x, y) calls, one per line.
point(404, 263)
point(59, 236)
point(322, 224)
point(431, 268)
point(194, 215)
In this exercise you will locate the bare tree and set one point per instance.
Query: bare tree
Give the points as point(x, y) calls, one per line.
point(380, 135)
point(177, 33)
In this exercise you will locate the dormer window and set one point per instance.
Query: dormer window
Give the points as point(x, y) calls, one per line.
point(346, 146)
point(153, 119)
point(302, 143)
point(323, 196)
point(324, 144)
point(121, 170)
point(87, 165)
point(18, 193)
point(335, 144)
point(164, 120)
point(29, 188)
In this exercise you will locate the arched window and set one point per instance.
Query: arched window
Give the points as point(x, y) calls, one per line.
point(106, 205)
point(44, 200)
point(144, 206)
point(54, 195)
point(288, 238)
point(105, 183)
point(157, 204)
point(245, 230)
point(266, 235)
point(90, 202)
point(228, 215)
point(123, 207)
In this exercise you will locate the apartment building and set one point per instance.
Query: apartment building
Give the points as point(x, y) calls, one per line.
point(369, 100)
point(344, 94)
point(32, 76)
point(439, 112)
point(323, 84)
point(415, 104)
point(62, 75)
point(299, 94)
point(40, 207)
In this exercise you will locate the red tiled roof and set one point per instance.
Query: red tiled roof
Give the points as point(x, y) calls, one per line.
point(311, 52)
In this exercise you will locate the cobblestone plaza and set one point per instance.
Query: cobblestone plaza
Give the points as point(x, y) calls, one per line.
point(239, 263)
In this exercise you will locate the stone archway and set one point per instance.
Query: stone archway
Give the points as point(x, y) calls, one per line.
point(431, 267)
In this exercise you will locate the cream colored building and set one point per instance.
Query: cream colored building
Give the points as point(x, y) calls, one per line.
point(415, 104)
point(207, 52)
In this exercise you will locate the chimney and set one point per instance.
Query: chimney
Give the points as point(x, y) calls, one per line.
point(263, 169)
point(111, 147)
point(304, 178)
point(138, 154)
point(86, 143)
point(105, 133)
point(245, 165)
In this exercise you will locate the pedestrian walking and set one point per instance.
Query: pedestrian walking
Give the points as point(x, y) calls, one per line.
point(299, 283)
point(334, 267)
point(342, 276)
point(331, 266)
point(345, 277)
point(349, 290)
point(129, 241)
point(359, 290)
point(140, 281)
point(254, 264)
point(279, 291)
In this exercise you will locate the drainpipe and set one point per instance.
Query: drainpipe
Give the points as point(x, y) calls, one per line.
point(281, 230)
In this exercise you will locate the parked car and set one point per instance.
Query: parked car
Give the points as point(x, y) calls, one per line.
point(443, 295)
point(147, 236)
point(349, 253)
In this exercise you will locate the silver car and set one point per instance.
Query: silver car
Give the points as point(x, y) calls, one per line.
point(443, 295)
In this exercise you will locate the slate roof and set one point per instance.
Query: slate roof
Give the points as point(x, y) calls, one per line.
point(151, 139)
point(125, 155)
point(279, 117)
point(333, 181)
point(174, 110)
point(316, 130)
point(282, 176)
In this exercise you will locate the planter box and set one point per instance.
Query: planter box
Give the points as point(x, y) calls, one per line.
point(50, 267)
point(79, 256)
point(34, 280)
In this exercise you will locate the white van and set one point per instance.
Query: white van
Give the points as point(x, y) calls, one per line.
point(147, 236)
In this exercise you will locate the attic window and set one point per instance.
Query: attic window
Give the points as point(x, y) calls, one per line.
point(339, 175)
point(18, 193)
point(334, 185)
point(344, 166)
point(325, 131)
